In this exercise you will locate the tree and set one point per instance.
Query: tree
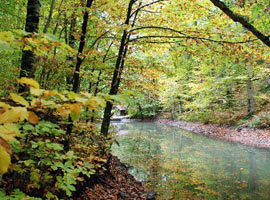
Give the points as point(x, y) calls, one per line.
point(31, 26)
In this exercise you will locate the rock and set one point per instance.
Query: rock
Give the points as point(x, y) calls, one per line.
point(151, 196)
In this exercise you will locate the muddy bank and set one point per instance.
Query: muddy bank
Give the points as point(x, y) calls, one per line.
point(252, 137)
point(115, 183)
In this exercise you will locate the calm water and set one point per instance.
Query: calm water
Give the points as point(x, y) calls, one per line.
point(182, 165)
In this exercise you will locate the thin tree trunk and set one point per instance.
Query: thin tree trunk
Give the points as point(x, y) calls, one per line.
point(71, 42)
point(250, 94)
point(76, 76)
point(58, 17)
point(49, 17)
point(173, 110)
point(179, 108)
point(117, 74)
point(31, 26)
point(98, 80)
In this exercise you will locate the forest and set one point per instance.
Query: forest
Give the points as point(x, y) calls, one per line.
point(66, 66)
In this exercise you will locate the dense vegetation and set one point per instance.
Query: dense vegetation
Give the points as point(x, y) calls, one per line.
point(65, 63)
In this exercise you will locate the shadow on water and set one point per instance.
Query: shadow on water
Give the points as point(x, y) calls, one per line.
point(182, 165)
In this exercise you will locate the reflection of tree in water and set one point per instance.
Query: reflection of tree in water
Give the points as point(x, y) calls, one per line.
point(181, 165)
point(253, 176)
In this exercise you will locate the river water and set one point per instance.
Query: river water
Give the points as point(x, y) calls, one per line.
point(178, 164)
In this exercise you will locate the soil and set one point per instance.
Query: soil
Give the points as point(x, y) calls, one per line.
point(115, 183)
point(259, 138)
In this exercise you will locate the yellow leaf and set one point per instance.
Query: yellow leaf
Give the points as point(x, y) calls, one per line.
point(33, 118)
point(9, 131)
point(22, 112)
point(4, 160)
point(76, 108)
point(14, 115)
point(4, 105)
point(9, 116)
point(19, 99)
point(62, 111)
point(28, 81)
point(36, 92)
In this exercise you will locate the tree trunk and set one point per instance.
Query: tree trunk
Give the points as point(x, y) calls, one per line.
point(173, 110)
point(71, 42)
point(49, 17)
point(250, 100)
point(250, 93)
point(76, 76)
point(58, 18)
point(179, 108)
point(31, 26)
point(117, 74)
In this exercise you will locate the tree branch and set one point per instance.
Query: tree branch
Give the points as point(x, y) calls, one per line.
point(237, 18)
point(188, 37)
point(143, 6)
point(157, 27)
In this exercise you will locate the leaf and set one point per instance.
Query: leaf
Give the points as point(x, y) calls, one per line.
point(9, 117)
point(76, 108)
point(51, 37)
point(33, 118)
point(5, 160)
point(14, 115)
point(29, 81)
point(74, 116)
point(9, 131)
point(19, 99)
point(62, 110)
point(36, 92)
point(4, 105)
point(6, 37)
point(6, 145)
point(4, 46)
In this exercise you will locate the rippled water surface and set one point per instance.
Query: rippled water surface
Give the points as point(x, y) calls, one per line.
point(182, 165)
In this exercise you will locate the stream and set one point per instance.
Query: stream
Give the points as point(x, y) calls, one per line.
point(178, 164)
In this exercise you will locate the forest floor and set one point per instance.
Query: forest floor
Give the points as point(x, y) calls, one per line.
point(115, 184)
point(259, 138)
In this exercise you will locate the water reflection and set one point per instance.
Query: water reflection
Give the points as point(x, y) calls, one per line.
point(181, 165)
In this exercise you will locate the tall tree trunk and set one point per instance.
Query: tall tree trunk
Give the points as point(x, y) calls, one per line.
point(173, 110)
point(58, 18)
point(76, 76)
point(49, 17)
point(117, 73)
point(179, 108)
point(31, 26)
point(98, 79)
point(250, 96)
point(250, 93)
point(71, 42)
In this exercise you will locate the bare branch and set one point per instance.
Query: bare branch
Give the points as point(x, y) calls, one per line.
point(143, 6)
point(188, 37)
point(157, 27)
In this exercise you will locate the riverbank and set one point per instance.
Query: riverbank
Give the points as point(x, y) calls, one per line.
point(115, 183)
point(259, 138)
